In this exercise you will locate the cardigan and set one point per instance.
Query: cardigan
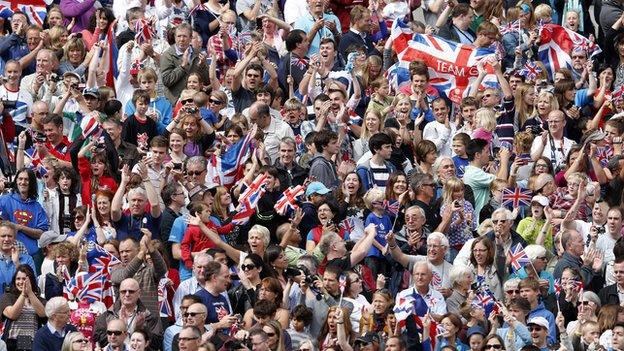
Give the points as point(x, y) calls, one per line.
point(46, 341)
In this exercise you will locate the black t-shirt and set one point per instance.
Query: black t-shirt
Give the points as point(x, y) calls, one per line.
point(243, 98)
point(432, 216)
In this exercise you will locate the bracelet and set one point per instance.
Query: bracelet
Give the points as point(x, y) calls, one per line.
point(392, 247)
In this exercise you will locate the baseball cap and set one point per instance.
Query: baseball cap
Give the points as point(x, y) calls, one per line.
point(50, 237)
point(475, 329)
point(91, 92)
point(316, 188)
point(73, 74)
point(541, 321)
point(367, 338)
point(540, 199)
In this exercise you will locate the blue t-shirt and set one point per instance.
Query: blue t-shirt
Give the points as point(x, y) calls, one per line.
point(163, 108)
point(28, 213)
point(460, 165)
point(384, 225)
point(130, 227)
point(217, 306)
point(175, 236)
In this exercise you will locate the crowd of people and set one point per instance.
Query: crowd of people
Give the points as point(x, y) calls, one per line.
point(251, 175)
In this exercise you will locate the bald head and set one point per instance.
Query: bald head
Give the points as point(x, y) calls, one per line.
point(260, 114)
point(129, 292)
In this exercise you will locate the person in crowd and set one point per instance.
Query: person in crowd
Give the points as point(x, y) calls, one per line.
point(50, 336)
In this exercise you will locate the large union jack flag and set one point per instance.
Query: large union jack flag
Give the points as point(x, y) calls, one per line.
point(99, 260)
point(517, 257)
point(288, 201)
point(35, 10)
point(452, 66)
point(556, 44)
point(514, 197)
point(228, 168)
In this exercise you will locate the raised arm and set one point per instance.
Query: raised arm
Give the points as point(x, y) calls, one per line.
point(150, 191)
point(118, 198)
point(360, 250)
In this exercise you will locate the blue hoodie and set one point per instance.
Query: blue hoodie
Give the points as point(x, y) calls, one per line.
point(540, 311)
point(24, 212)
point(162, 106)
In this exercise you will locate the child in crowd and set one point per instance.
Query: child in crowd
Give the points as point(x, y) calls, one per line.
point(459, 149)
point(139, 128)
point(159, 109)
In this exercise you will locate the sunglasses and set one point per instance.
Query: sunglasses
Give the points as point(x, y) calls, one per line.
point(186, 101)
point(494, 346)
point(216, 102)
point(124, 292)
point(82, 341)
point(535, 328)
point(247, 267)
point(79, 218)
point(114, 332)
point(584, 303)
point(188, 339)
point(517, 291)
point(270, 335)
point(496, 221)
point(192, 174)
point(192, 314)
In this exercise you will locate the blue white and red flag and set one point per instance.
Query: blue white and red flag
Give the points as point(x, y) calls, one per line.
point(163, 300)
point(228, 168)
point(35, 10)
point(515, 197)
point(530, 70)
point(289, 199)
point(518, 258)
point(556, 44)
point(509, 27)
point(248, 201)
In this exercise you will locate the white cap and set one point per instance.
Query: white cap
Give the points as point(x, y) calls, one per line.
point(541, 321)
point(540, 199)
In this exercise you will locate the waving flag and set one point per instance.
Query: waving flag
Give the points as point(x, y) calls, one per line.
point(487, 302)
point(604, 153)
point(5, 10)
point(530, 70)
point(144, 31)
point(452, 66)
point(163, 301)
point(99, 260)
point(111, 55)
point(509, 27)
point(556, 44)
point(517, 257)
point(85, 286)
point(514, 197)
point(248, 201)
point(557, 288)
point(228, 168)
point(35, 10)
point(392, 207)
point(343, 282)
point(288, 201)
point(411, 304)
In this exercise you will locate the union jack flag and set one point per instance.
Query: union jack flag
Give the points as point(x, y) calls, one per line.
point(288, 201)
point(509, 27)
point(452, 66)
point(199, 7)
point(514, 197)
point(299, 62)
point(392, 207)
point(557, 288)
point(100, 261)
point(248, 200)
point(530, 70)
point(228, 168)
point(163, 301)
point(618, 94)
point(347, 224)
point(518, 258)
point(603, 153)
point(144, 31)
point(343, 282)
point(85, 286)
point(556, 44)
point(35, 10)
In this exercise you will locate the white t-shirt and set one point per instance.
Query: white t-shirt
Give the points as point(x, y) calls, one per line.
point(559, 149)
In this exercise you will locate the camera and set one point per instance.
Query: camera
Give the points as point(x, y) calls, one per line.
point(8, 104)
point(535, 130)
point(190, 109)
point(292, 272)
point(55, 78)
point(177, 166)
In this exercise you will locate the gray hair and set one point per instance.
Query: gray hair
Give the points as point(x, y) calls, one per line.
point(54, 304)
point(438, 162)
point(511, 283)
point(458, 272)
point(508, 215)
point(418, 179)
point(535, 251)
point(417, 209)
point(327, 240)
point(263, 232)
point(137, 191)
point(200, 160)
point(440, 237)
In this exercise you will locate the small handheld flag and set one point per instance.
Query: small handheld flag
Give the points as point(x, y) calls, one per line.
point(518, 258)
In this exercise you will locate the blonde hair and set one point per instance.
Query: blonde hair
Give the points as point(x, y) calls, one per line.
point(451, 185)
point(263, 232)
point(522, 109)
point(365, 134)
point(56, 33)
point(542, 11)
point(576, 177)
point(554, 104)
point(485, 118)
point(373, 195)
point(523, 141)
point(400, 97)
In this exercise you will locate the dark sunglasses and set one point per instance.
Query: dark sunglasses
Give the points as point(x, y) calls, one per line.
point(191, 173)
point(123, 292)
point(82, 341)
point(192, 314)
point(494, 346)
point(535, 328)
point(517, 291)
point(216, 102)
point(114, 332)
point(186, 101)
point(270, 335)
point(247, 267)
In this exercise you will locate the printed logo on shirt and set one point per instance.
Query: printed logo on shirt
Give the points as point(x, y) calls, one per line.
point(22, 217)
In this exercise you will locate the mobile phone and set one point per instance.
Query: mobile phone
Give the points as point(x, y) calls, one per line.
point(177, 166)
point(149, 154)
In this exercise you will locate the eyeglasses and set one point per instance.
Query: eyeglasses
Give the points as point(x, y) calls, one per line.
point(270, 335)
point(192, 314)
point(517, 291)
point(496, 221)
point(247, 267)
point(543, 165)
point(176, 194)
point(533, 328)
point(486, 96)
point(188, 339)
point(429, 184)
point(480, 250)
point(186, 101)
point(193, 174)
point(584, 303)
point(494, 346)
point(82, 341)
point(79, 218)
point(124, 292)
point(216, 102)
point(114, 332)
